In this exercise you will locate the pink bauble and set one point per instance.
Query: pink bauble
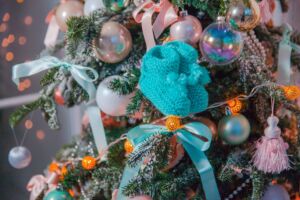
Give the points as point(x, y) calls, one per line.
point(187, 29)
point(66, 10)
point(58, 97)
point(114, 43)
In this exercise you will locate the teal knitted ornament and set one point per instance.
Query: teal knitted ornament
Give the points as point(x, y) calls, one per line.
point(173, 81)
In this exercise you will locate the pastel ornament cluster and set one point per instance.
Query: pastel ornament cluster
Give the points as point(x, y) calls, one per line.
point(173, 81)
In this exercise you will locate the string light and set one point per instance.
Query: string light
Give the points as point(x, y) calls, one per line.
point(235, 105)
point(291, 92)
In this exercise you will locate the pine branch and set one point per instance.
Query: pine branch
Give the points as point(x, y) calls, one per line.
point(24, 110)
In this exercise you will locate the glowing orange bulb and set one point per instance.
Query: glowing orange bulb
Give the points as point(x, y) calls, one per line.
point(128, 146)
point(53, 167)
point(71, 192)
point(173, 123)
point(64, 170)
point(9, 56)
point(235, 105)
point(88, 162)
point(20, 1)
point(291, 92)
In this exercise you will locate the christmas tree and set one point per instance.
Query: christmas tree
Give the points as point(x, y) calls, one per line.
point(184, 100)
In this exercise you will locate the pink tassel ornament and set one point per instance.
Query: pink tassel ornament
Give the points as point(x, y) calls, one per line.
point(270, 155)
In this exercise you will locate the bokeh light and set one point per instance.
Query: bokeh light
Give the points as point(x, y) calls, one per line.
point(11, 38)
point(28, 124)
point(9, 56)
point(27, 83)
point(22, 40)
point(4, 42)
point(28, 20)
point(20, 1)
point(21, 87)
point(6, 17)
point(3, 27)
point(40, 134)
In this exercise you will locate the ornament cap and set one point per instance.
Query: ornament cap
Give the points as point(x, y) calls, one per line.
point(272, 131)
point(220, 19)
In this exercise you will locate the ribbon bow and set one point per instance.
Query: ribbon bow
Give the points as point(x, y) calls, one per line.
point(143, 14)
point(79, 73)
point(195, 138)
point(284, 56)
point(39, 184)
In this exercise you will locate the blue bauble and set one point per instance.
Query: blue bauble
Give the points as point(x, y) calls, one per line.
point(58, 195)
point(219, 44)
point(234, 129)
point(276, 192)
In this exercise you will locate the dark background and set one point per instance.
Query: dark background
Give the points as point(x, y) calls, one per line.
point(12, 181)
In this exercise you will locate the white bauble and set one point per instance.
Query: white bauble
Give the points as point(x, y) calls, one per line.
point(19, 157)
point(92, 5)
point(109, 101)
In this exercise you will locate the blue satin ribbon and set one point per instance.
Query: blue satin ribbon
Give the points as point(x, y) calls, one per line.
point(79, 73)
point(195, 138)
point(94, 115)
point(284, 56)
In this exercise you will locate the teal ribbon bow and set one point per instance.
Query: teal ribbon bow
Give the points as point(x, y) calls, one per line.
point(195, 138)
point(79, 73)
point(284, 56)
point(81, 76)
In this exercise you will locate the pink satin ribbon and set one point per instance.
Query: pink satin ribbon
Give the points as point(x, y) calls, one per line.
point(265, 11)
point(39, 184)
point(143, 14)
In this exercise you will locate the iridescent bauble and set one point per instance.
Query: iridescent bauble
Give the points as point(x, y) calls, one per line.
point(19, 157)
point(116, 5)
point(66, 10)
point(109, 101)
point(243, 15)
point(114, 43)
point(234, 129)
point(276, 192)
point(92, 5)
point(187, 29)
point(58, 195)
point(219, 44)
